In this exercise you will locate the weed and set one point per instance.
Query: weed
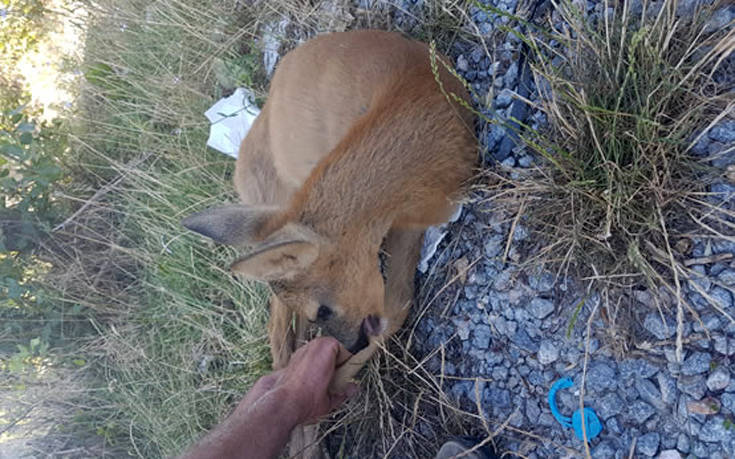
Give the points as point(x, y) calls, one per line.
point(617, 191)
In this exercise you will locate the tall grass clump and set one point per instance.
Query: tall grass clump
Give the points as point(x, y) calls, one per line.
point(619, 194)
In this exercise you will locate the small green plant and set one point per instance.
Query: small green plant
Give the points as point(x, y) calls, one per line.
point(27, 357)
point(29, 170)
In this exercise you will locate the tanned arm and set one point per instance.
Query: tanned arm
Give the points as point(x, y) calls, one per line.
point(262, 422)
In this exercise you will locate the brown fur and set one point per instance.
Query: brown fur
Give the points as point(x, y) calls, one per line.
point(356, 145)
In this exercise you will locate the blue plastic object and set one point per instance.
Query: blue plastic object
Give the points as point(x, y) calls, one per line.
point(592, 424)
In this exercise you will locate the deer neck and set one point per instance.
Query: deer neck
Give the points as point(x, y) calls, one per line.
point(356, 190)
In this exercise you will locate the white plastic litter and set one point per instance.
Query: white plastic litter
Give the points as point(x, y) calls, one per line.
point(432, 237)
point(231, 119)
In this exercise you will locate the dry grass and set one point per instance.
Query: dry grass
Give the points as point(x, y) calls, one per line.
point(617, 195)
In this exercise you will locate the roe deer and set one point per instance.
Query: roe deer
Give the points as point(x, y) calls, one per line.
point(356, 147)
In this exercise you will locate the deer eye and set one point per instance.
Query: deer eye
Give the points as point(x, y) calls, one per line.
point(323, 313)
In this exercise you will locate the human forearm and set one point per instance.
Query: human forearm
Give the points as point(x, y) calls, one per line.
point(262, 422)
point(250, 431)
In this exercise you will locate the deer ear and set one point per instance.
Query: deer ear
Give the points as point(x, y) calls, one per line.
point(284, 254)
point(234, 224)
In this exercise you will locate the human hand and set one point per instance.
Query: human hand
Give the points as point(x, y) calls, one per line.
point(304, 384)
point(305, 381)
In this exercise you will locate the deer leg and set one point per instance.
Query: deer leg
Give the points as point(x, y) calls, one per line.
point(280, 333)
point(403, 247)
point(284, 339)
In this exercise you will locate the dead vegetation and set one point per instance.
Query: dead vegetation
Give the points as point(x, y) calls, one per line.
point(618, 195)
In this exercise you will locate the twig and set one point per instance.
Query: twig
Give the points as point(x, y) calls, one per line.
point(18, 419)
point(584, 377)
point(706, 260)
point(521, 208)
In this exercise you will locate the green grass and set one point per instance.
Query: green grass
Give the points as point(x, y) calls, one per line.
point(178, 339)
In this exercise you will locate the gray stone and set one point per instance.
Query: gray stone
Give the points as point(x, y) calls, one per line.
point(648, 444)
point(504, 99)
point(613, 425)
point(718, 380)
point(511, 75)
point(499, 373)
point(463, 329)
point(532, 409)
point(669, 454)
point(525, 161)
point(700, 450)
point(693, 386)
point(460, 389)
point(657, 328)
point(493, 246)
point(540, 308)
point(476, 55)
point(713, 430)
point(667, 387)
point(687, 8)
point(711, 323)
point(605, 450)
point(548, 352)
point(502, 280)
point(520, 233)
point(696, 363)
point(462, 64)
point(682, 443)
point(509, 162)
point(546, 419)
point(728, 402)
point(649, 393)
point(542, 282)
point(702, 282)
point(722, 297)
point(497, 398)
point(721, 158)
point(600, 376)
point(639, 411)
point(727, 277)
point(720, 344)
point(724, 131)
point(505, 327)
point(523, 341)
point(608, 406)
point(636, 368)
point(481, 336)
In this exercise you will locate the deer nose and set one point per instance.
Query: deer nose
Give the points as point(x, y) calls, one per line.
point(372, 325)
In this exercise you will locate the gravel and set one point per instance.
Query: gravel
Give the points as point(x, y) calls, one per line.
point(657, 327)
point(648, 444)
point(718, 380)
point(541, 308)
point(609, 405)
point(697, 363)
point(648, 392)
point(512, 328)
point(548, 353)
